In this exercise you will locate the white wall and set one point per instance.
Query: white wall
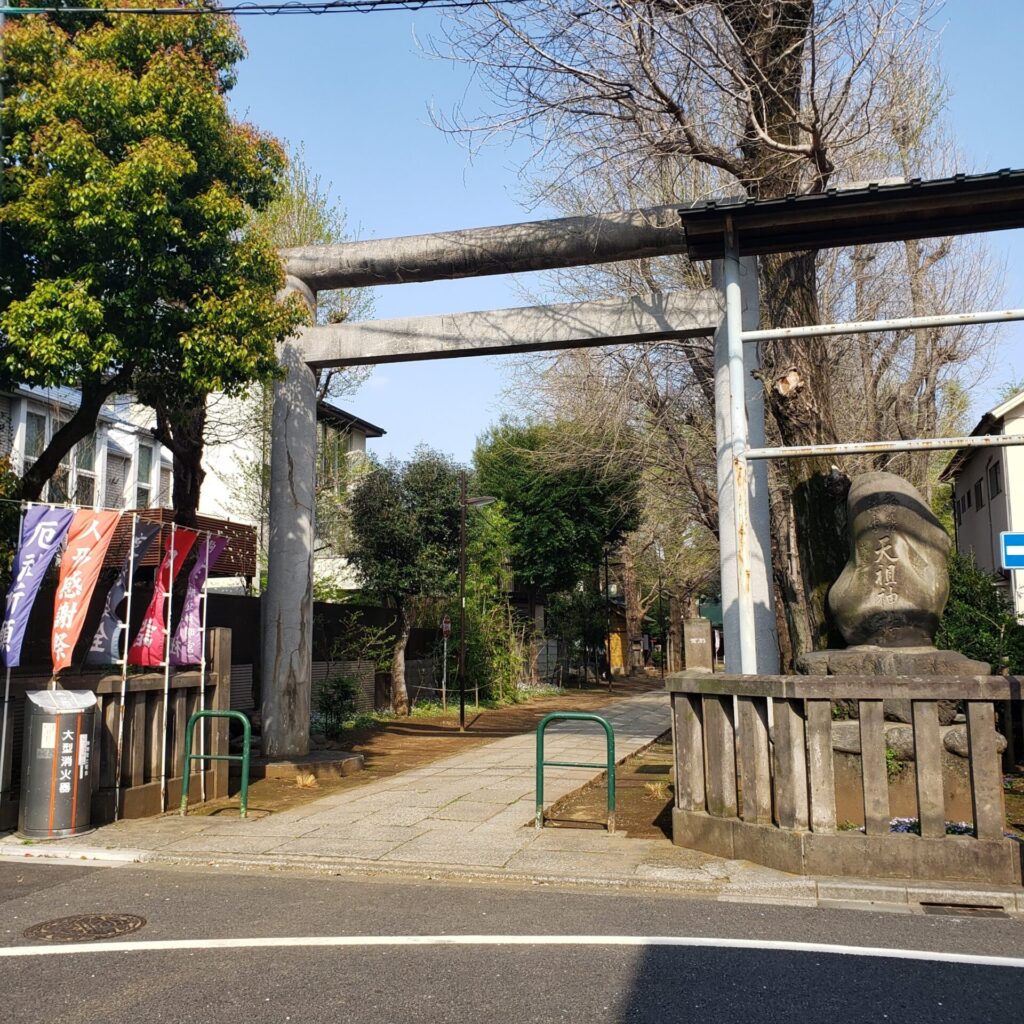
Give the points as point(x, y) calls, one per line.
point(233, 443)
point(6, 425)
point(1013, 476)
point(978, 529)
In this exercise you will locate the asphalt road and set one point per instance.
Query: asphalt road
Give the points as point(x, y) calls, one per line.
point(487, 982)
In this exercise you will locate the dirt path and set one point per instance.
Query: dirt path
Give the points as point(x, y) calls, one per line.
point(643, 797)
point(411, 742)
point(407, 743)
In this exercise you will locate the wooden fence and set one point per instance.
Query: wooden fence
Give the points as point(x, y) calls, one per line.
point(141, 752)
point(755, 775)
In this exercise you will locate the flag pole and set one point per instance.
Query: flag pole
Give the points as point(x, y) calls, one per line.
point(167, 672)
point(7, 679)
point(202, 675)
point(124, 669)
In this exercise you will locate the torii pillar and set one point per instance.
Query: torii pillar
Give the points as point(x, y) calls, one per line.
point(287, 600)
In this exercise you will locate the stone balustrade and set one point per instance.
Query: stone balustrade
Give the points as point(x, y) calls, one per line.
point(755, 777)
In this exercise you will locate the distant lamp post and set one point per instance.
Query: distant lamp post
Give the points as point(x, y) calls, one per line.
point(659, 551)
point(464, 503)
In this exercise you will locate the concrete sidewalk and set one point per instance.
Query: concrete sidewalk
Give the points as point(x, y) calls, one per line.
point(471, 816)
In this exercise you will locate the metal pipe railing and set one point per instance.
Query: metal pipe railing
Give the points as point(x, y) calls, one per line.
point(928, 444)
point(904, 323)
point(243, 757)
point(609, 766)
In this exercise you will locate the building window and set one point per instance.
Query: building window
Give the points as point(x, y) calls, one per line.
point(967, 496)
point(75, 476)
point(117, 476)
point(6, 426)
point(979, 496)
point(35, 437)
point(334, 446)
point(165, 487)
point(85, 471)
point(143, 476)
point(995, 480)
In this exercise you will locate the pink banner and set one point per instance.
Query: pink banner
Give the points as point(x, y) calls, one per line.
point(148, 647)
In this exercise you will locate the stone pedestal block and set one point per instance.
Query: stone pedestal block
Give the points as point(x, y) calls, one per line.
point(699, 650)
point(890, 663)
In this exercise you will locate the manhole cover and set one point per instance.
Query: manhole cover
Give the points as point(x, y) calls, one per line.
point(84, 927)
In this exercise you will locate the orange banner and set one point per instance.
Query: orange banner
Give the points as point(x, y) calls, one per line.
point(88, 539)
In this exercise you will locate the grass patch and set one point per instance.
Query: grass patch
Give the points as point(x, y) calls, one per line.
point(894, 765)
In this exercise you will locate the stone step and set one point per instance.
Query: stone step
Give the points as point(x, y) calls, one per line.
point(322, 764)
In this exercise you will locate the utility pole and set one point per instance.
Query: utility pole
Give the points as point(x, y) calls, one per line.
point(607, 619)
point(659, 552)
point(462, 601)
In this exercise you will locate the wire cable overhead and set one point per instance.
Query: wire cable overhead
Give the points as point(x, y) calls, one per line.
point(271, 9)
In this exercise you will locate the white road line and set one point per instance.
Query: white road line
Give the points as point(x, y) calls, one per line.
point(361, 941)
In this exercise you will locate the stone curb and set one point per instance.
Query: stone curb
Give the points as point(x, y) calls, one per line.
point(847, 892)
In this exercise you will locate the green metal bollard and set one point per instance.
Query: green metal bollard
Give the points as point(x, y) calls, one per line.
point(609, 766)
point(243, 757)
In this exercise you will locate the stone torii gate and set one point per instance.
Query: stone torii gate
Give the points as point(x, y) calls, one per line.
point(287, 601)
point(729, 233)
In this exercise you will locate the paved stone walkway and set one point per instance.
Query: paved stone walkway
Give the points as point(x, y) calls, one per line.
point(473, 811)
point(471, 816)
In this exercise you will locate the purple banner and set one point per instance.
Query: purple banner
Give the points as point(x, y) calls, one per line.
point(41, 535)
point(106, 644)
point(187, 644)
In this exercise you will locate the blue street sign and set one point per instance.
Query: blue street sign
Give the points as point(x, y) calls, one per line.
point(1011, 549)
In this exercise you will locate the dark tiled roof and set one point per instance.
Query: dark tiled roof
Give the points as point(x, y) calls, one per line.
point(858, 215)
point(346, 421)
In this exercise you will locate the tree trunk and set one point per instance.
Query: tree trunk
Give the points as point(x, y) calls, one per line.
point(181, 428)
point(675, 629)
point(399, 693)
point(798, 395)
point(80, 426)
point(797, 389)
point(634, 614)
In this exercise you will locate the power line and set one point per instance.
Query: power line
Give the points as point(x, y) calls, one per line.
point(270, 9)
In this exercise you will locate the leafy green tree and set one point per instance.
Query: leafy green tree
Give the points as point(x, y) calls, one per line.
point(405, 541)
point(561, 518)
point(579, 617)
point(127, 189)
point(978, 620)
point(497, 640)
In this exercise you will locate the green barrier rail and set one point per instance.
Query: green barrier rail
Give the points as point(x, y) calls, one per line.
point(243, 757)
point(609, 766)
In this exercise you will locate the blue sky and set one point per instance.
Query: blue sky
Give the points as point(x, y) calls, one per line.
point(356, 90)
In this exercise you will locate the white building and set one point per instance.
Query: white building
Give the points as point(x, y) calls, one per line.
point(121, 465)
point(988, 493)
point(237, 461)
